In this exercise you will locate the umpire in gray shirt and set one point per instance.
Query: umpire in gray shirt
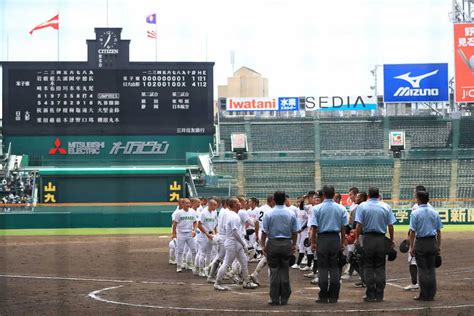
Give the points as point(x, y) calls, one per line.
point(280, 227)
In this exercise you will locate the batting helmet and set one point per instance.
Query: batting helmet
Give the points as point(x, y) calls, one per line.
point(306, 242)
point(404, 246)
point(389, 250)
point(438, 261)
point(392, 254)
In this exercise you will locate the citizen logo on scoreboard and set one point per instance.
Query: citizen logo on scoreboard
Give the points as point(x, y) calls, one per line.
point(262, 104)
point(415, 82)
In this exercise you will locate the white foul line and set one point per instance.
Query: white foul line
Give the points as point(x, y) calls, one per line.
point(94, 295)
point(395, 285)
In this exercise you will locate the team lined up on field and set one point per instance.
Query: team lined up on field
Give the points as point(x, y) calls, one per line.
point(219, 246)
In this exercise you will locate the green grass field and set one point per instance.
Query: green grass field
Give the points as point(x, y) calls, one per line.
point(154, 231)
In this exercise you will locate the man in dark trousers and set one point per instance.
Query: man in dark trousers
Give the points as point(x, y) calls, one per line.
point(374, 217)
point(280, 227)
point(329, 224)
point(425, 226)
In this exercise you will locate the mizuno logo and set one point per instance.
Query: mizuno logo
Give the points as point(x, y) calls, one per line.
point(415, 81)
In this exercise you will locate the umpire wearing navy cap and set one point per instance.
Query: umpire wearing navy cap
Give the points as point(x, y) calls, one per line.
point(329, 224)
point(374, 217)
point(425, 226)
point(280, 226)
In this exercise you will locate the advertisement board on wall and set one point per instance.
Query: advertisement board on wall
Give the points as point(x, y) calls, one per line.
point(415, 82)
point(464, 62)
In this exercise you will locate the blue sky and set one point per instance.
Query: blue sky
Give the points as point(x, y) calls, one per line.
point(304, 47)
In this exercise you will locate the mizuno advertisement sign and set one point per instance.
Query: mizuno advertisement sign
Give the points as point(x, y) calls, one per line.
point(415, 82)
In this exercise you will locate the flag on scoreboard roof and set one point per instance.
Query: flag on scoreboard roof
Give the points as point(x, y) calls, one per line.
point(151, 19)
point(151, 34)
point(53, 22)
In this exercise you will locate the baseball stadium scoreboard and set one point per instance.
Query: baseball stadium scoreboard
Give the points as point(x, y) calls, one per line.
point(73, 99)
point(107, 108)
point(108, 111)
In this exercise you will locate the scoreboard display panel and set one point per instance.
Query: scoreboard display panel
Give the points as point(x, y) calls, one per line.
point(73, 98)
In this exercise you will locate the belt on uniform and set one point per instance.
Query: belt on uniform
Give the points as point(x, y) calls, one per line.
point(279, 238)
point(374, 234)
point(329, 233)
point(426, 237)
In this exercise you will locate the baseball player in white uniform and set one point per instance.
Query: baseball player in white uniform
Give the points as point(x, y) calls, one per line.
point(219, 258)
point(207, 224)
point(253, 213)
point(173, 244)
point(234, 247)
point(184, 229)
point(263, 260)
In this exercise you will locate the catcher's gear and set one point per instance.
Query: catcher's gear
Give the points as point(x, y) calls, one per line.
point(438, 261)
point(404, 246)
point(356, 255)
point(306, 242)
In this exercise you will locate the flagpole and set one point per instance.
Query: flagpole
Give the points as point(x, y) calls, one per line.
point(206, 45)
point(58, 35)
point(107, 12)
point(156, 41)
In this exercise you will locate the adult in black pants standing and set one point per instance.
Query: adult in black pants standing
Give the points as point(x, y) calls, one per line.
point(280, 227)
point(425, 226)
point(374, 217)
point(329, 224)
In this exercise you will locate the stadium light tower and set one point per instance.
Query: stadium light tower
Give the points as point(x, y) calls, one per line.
point(374, 73)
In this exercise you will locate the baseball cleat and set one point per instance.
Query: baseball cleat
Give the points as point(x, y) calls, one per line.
point(211, 280)
point(250, 285)
point(309, 275)
point(236, 279)
point(411, 287)
point(171, 261)
point(345, 276)
point(202, 274)
point(315, 281)
point(178, 269)
point(306, 268)
point(219, 287)
point(359, 285)
point(295, 266)
point(254, 279)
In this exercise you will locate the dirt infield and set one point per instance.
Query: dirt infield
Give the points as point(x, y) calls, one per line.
point(123, 275)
